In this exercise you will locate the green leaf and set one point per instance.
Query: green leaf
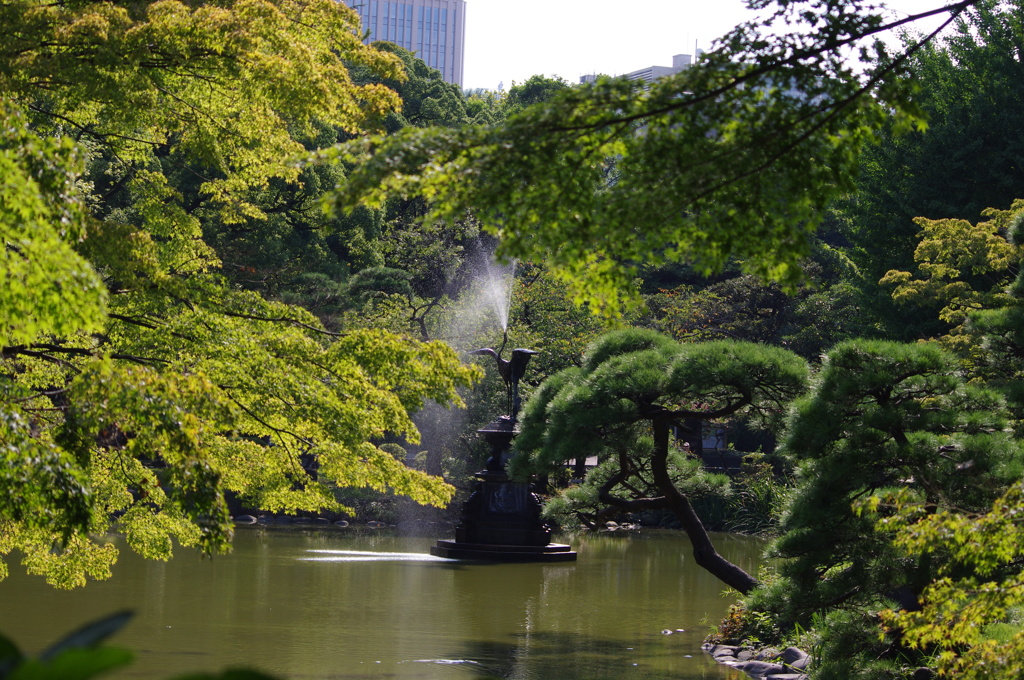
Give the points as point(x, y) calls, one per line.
point(89, 635)
point(10, 656)
point(73, 664)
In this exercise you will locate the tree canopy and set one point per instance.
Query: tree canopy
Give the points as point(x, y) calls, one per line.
point(964, 611)
point(136, 383)
point(970, 81)
point(637, 382)
point(881, 418)
point(736, 157)
point(963, 269)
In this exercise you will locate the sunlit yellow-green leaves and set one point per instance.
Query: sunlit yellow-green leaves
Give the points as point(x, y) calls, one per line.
point(978, 585)
point(45, 287)
point(230, 85)
point(65, 565)
point(137, 387)
point(963, 267)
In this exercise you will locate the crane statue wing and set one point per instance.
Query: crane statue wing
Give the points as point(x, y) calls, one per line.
point(511, 372)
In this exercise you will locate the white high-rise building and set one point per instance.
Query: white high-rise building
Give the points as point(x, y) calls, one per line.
point(435, 30)
point(680, 62)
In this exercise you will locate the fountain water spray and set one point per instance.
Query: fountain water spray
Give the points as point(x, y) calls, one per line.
point(498, 284)
point(484, 303)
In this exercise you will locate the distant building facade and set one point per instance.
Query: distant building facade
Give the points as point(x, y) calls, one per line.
point(435, 30)
point(680, 62)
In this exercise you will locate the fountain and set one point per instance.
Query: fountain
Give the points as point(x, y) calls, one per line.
point(500, 292)
point(501, 519)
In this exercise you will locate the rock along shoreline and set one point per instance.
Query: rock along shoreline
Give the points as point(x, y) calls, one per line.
point(762, 664)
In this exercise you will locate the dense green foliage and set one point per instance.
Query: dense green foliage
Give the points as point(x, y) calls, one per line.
point(807, 321)
point(535, 90)
point(136, 382)
point(899, 547)
point(963, 268)
point(882, 418)
point(883, 415)
point(968, 84)
point(633, 388)
point(180, 319)
point(376, 267)
point(969, 617)
point(999, 328)
point(736, 157)
point(48, 287)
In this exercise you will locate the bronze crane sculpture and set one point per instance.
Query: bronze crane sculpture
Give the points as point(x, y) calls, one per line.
point(511, 371)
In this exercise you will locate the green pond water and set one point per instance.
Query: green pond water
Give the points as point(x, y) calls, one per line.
point(335, 603)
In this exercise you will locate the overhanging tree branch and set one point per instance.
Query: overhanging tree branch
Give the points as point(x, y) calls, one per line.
point(955, 10)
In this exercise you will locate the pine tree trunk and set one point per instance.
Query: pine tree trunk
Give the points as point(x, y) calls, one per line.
point(704, 552)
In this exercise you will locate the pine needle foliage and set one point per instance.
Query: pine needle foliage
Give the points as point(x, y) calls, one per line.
point(636, 385)
point(882, 416)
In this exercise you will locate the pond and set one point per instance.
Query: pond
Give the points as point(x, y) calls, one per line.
point(339, 604)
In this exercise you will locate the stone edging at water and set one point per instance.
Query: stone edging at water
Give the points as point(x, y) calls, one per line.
point(762, 664)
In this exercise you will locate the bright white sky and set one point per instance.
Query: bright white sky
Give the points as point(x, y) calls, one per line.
point(510, 40)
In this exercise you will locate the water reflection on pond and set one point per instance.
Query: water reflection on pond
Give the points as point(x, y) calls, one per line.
point(336, 604)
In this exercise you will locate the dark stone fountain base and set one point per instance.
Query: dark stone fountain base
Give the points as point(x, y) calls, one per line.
point(552, 552)
point(501, 521)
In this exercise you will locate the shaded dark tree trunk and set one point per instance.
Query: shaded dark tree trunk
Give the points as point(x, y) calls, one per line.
point(704, 552)
point(695, 436)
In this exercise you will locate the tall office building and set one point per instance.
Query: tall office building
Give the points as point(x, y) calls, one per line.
point(435, 30)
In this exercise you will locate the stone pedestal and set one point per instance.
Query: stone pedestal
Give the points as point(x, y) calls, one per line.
point(501, 519)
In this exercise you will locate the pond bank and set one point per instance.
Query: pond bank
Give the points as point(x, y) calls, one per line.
point(762, 664)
